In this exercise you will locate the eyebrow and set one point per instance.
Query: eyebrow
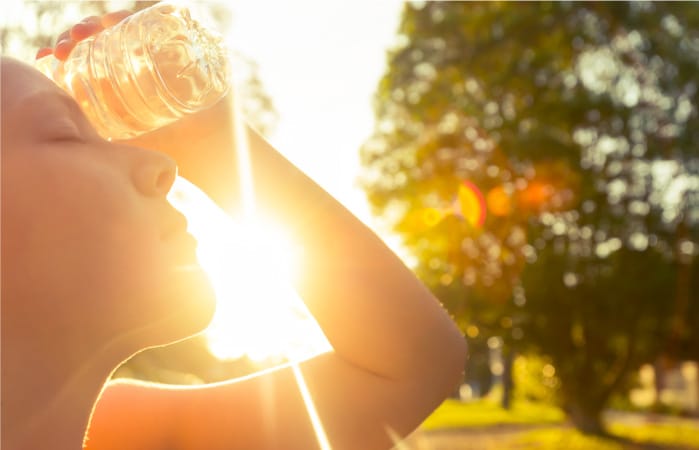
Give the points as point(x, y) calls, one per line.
point(60, 97)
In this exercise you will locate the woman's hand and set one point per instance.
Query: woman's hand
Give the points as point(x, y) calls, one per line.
point(201, 143)
point(87, 27)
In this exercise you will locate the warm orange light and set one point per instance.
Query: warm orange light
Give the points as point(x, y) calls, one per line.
point(535, 195)
point(499, 202)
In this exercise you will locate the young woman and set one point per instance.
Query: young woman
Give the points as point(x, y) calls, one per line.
point(96, 265)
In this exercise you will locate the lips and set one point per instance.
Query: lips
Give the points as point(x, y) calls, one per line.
point(182, 250)
point(181, 245)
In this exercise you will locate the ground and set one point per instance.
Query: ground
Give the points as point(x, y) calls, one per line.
point(485, 438)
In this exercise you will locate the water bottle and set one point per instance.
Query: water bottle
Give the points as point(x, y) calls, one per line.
point(147, 71)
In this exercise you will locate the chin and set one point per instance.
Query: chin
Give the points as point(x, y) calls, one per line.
point(186, 309)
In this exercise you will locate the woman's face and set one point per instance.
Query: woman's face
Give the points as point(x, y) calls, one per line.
point(88, 237)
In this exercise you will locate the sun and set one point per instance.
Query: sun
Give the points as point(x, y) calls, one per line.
point(251, 267)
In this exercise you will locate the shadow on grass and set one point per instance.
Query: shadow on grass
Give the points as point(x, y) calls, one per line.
point(620, 437)
point(627, 442)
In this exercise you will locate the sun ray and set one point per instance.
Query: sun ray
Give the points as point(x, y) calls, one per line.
point(316, 423)
point(245, 173)
point(398, 443)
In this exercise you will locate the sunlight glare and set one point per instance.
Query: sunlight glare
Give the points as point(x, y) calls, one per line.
point(251, 267)
point(250, 264)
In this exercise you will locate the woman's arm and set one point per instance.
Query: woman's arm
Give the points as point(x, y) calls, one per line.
point(397, 354)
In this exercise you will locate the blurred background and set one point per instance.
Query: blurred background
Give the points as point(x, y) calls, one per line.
point(535, 164)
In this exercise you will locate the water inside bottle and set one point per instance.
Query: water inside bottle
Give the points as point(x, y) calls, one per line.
point(153, 68)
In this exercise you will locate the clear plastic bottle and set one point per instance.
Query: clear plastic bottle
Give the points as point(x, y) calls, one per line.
point(152, 68)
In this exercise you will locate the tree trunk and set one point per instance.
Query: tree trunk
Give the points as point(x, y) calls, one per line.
point(507, 380)
point(586, 417)
point(659, 367)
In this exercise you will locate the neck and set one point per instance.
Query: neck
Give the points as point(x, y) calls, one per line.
point(48, 391)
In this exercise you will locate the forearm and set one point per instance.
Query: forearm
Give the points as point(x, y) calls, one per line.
point(376, 314)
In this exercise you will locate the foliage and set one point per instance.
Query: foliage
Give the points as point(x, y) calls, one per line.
point(578, 123)
point(535, 379)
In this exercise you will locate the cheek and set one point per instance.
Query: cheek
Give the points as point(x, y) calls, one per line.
point(78, 237)
point(124, 260)
point(89, 255)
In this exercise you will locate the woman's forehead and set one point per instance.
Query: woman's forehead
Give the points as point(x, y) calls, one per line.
point(20, 81)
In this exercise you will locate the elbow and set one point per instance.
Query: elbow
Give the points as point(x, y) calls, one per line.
point(444, 369)
point(454, 364)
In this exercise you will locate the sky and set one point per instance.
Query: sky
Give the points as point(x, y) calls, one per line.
point(320, 61)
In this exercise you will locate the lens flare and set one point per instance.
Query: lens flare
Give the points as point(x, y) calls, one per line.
point(470, 204)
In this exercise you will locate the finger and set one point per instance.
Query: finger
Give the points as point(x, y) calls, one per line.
point(62, 37)
point(44, 51)
point(63, 49)
point(113, 18)
point(86, 28)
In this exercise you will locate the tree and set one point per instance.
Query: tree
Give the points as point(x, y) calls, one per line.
point(578, 122)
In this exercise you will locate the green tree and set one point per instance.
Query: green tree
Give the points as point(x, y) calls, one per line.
point(578, 123)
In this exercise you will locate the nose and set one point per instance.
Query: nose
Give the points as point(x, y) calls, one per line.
point(153, 173)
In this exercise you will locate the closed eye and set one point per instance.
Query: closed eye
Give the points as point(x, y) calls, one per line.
point(57, 117)
point(64, 130)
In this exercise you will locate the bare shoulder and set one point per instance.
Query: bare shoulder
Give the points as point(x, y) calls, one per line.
point(131, 414)
point(292, 407)
point(274, 409)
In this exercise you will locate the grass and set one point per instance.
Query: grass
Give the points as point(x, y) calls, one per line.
point(453, 414)
point(681, 433)
point(646, 436)
point(563, 438)
point(481, 413)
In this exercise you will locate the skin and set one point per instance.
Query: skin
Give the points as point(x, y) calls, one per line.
point(81, 218)
point(87, 235)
